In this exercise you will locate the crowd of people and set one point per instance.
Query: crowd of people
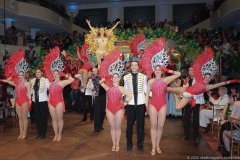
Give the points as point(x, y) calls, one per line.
point(101, 95)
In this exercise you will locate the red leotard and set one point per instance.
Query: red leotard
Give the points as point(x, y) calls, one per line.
point(21, 94)
point(55, 94)
point(159, 88)
point(114, 97)
point(195, 89)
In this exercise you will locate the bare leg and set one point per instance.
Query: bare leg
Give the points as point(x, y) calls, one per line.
point(176, 89)
point(60, 109)
point(111, 121)
point(153, 121)
point(227, 139)
point(98, 55)
point(184, 101)
point(24, 110)
point(53, 114)
point(118, 121)
point(20, 121)
point(161, 120)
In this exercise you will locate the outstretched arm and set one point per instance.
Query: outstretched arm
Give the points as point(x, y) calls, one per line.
point(91, 28)
point(212, 86)
point(9, 81)
point(114, 26)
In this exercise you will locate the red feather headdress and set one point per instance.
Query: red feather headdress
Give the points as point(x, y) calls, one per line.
point(52, 63)
point(111, 64)
point(204, 64)
point(16, 64)
point(154, 55)
point(138, 44)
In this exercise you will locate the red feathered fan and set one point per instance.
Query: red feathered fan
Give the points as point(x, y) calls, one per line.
point(11, 66)
point(111, 64)
point(204, 58)
point(83, 54)
point(49, 61)
point(137, 44)
point(157, 46)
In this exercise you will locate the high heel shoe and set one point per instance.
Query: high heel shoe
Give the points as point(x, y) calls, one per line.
point(153, 152)
point(159, 150)
point(117, 149)
point(113, 148)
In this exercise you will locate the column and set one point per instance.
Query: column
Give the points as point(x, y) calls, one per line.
point(114, 13)
point(163, 11)
point(34, 32)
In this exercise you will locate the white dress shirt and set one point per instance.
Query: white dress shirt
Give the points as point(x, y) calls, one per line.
point(142, 89)
point(199, 98)
point(43, 88)
point(89, 88)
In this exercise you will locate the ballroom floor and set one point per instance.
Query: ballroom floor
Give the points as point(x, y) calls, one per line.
point(81, 143)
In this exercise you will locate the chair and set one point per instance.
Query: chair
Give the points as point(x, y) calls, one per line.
point(235, 137)
point(217, 113)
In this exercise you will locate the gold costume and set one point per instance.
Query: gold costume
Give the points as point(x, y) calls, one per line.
point(94, 41)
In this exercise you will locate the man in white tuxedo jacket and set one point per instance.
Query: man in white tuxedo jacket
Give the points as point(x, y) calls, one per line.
point(136, 83)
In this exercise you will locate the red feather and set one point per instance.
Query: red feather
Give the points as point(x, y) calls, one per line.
point(133, 45)
point(83, 54)
point(12, 63)
point(109, 59)
point(202, 59)
point(149, 52)
point(49, 58)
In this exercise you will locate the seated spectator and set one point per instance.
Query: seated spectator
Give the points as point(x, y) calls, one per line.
point(207, 114)
point(235, 118)
point(225, 123)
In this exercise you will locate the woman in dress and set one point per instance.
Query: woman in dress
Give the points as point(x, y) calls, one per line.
point(15, 70)
point(101, 41)
point(52, 68)
point(114, 110)
point(157, 107)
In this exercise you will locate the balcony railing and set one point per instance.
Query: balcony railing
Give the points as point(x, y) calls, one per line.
point(56, 7)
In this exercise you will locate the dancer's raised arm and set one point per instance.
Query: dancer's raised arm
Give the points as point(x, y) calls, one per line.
point(110, 30)
point(66, 82)
point(9, 81)
point(171, 78)
point(91, 28)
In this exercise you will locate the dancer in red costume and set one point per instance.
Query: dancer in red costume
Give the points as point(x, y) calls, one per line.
point(204, 69)
point(87, 64)
point(53, 67)
point(15, 73)
point(157, 58)
point(110, 68)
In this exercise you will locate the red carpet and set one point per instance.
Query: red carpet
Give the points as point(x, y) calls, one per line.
point(212, 141)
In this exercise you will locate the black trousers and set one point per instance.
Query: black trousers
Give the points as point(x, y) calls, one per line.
point(87, 106)
point(188, 110)
point(33, 114)
point(41, 114)
point(99, 112)
point(135, 113)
